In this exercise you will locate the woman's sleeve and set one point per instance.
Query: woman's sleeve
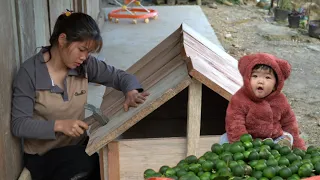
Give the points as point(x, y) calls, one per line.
point(23, 100)
point(99, 72)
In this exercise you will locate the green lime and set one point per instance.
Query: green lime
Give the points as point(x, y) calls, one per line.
point(315, 159)
point(220, 164)
point(247, 145)
point(170, 172)
point(191, 159)
point(238, 171)
point(277, 178)
point(246, 138)
point(285, 172)
point(225, 171)
point(253, 156)
point(260, 166)
point(257, 174)
point(311, 149)
point(241, 162)
point(276, 147)
point(253, 163)
point(317, 168)
point(232, 164)
point(284, 150)
point(181, 172)
point(294, 168)
point(268, 142)
point(201, 159)
point(217, 148)
point(226, 147)
point(283, 161)
point(194, 168)
point(157, 174)
point(304, 171)
point(207, 166)
point(269, 172)
point(148, 173)
point(251, 178)
point(257, 142)
point(213, 175)
point(299, 152)
point(264, 154)
point(163, 169)
point(238, 156)
point(272, 162)
point(291, 157)
point(236, 148)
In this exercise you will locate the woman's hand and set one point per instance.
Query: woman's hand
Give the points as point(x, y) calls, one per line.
point(70, 127)
point(134, 98)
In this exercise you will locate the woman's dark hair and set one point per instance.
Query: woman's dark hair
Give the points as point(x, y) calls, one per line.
point(266, 67)
point(78, 27)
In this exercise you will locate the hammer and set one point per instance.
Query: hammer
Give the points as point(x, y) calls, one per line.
point(97, 116)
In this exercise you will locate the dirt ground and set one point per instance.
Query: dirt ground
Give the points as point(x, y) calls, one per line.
point(248, 29)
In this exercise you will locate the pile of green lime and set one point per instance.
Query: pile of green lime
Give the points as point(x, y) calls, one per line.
point(248, 158)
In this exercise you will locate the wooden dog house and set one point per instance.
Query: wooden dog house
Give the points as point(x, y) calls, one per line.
point(190, 81)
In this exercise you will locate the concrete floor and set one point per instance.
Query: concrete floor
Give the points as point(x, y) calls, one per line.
point(125, 43)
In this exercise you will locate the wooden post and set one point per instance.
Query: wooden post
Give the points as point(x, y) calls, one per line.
point(103, 156)
point(114, 161)
point(194, 117)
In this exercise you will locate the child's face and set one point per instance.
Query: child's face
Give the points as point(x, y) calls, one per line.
point(262, 82)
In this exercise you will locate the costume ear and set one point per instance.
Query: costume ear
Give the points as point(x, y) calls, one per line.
point(285, 68)
point(243, 63)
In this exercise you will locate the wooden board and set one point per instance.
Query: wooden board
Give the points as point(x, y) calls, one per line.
point(137, 155)
point(57, 7)
point(26, 28)
point(41, 22)
point(160, 93)
point(10, 149)
point(211, 65)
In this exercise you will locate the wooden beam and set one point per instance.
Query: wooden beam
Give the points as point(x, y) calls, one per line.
point(103, 160)
point(114, 162)
point(194, 117)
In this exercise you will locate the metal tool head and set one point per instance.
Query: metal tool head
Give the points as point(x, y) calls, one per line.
point(97, 114)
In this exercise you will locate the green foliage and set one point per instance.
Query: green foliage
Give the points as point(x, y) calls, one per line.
point(285, 5)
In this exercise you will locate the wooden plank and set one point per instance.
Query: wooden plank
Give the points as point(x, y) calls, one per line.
point(154, 153)
point(160, 50)
point(10, 147)
point(103, 160)
point(121, 121)
point(113, 159)
point(92, 8)
point(216, 69)
point(210, 61)
point(57, 7)
point(26, 29)
point(41, 22)
point(149, 75)
point(194, 117)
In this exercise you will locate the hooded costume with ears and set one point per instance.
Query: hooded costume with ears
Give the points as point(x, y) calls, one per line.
point(262, 118)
